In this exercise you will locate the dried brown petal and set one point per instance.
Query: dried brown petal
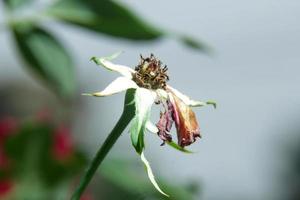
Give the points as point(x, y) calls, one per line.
point(164, 126)
point(185, 121)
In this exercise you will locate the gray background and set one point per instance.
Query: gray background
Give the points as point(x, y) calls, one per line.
point(253, 75)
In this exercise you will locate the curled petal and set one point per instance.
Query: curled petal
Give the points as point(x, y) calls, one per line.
point(150, 174)
point(185, 121)
point(143, 99)
point(165, 123)
point(118, 85)
point(105, 62)
point(189, 101)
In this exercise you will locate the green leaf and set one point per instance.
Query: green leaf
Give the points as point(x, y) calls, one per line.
point(143, 101)
point(194, 44)
point(213, 103)
point(108, 17)
point(46, 57)
point(177, 147)
point(150, 174)
point(15, 4)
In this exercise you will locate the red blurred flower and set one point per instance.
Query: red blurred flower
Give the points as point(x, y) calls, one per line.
point(8, 125)
point(4, 161)
point(44, 115)
point(5, 187)
point(86, 196)
point(63, 145)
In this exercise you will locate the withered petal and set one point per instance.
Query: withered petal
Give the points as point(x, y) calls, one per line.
point(185, 121)
point(164, 126)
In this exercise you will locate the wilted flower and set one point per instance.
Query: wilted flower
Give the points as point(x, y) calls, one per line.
point(149, 82)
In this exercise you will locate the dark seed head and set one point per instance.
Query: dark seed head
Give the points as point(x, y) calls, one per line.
point(150, 73)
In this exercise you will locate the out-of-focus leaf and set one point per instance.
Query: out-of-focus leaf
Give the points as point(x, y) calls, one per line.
point(195, 44)
point(14, 4)
point(46, 57)
point(38, 172)
point(31, 150)
point(107, 17)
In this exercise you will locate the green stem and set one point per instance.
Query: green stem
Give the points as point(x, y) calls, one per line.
point(126, 117)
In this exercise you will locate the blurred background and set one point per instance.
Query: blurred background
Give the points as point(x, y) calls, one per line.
point(242, 54)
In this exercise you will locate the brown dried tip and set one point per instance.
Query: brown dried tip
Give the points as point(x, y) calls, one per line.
point(150, 73)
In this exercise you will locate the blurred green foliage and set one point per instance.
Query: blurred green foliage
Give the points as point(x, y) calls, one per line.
point(15, 4)
point(106, 17)
point(44, 54)
point(38, 158)
point(46, 57)
point(128, 176)
point(39, 161)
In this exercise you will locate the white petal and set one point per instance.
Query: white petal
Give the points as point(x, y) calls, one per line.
point(105, 62)
point(186, 99)
point(118, 85)
point(162, 93)
point(144, 97)
point(150, 174)
point(151, 127)
point(143, 100)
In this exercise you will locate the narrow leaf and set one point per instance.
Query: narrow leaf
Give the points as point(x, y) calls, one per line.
point(46, 57)
point(108, 17)
point(150, 174)
point(177, 147)
point(213, 103)
point(194, 44)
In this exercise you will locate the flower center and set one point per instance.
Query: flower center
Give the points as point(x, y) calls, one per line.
point(150, 73)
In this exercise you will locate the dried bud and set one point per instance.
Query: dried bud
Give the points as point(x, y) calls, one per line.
point(185, 121)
